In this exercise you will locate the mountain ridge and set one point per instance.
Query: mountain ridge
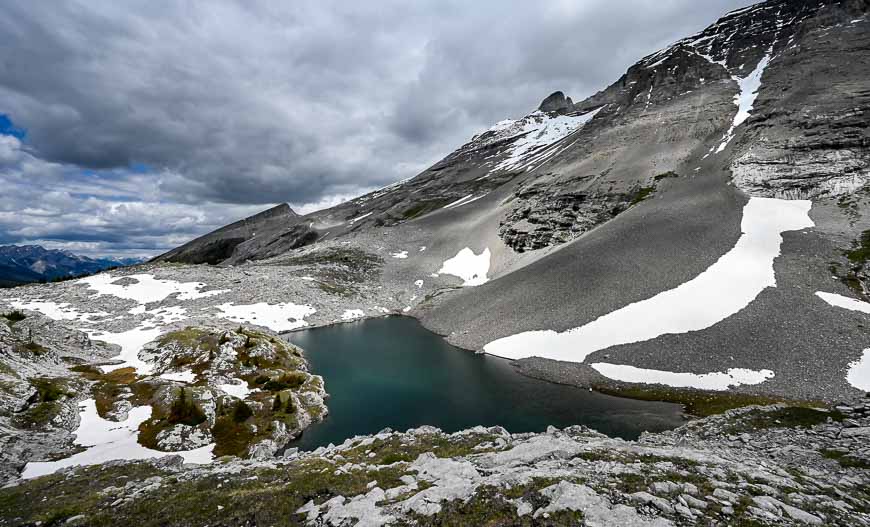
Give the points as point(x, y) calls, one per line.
point(21, 264)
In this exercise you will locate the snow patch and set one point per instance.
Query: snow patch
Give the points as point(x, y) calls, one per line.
point(463, 201)
point(147, 288)
point(277, 317)
point(716, 381)
point(131, 343)
point(844, 302)
point(859, 372)
point(238, 388)
point(108, 440)
point(745, 100)
point(401, 255)
point(537, 131)
point(471, 268)
point(354, 220)
point(57, 311)
point(722, 290)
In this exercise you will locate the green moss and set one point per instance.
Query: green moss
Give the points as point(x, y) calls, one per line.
point(287, 381)
point(190, 338)
point(417, 210)
point(391, 450)
point(53, 499)
point(51, 389)
point(641, 194)
point(697, 403)
point(860, 252)
point(37, 415)
point(789, 417)
point(231, 438)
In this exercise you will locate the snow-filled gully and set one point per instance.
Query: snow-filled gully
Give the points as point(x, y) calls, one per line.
point(723, 289)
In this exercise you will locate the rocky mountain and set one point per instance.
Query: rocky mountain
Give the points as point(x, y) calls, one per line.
point(21, 264)
point(580, 209)
point(698, 232)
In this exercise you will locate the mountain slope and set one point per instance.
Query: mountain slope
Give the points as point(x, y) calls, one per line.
point(743, 145)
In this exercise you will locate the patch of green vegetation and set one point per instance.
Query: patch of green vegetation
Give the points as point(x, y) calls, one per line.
point(287, 381)
point(50, 389)
point(666, 175)
point(14, 316)
point(44, 405)
point(789, 417)
point(30, 347)
point(392, 450)
point(641, 194)
point(525, 491)
point(190, 338)
point(487, 507)
point(421, 209)
point(110, 386)
point(858, 257)
point(697, 403)
point(860, 252)
point(231, 438)
point(7, 370)
point(630, 482)
point(185, 411)
point(51, 500)
point(845, 460)
point(241, 412)
point(37, 415)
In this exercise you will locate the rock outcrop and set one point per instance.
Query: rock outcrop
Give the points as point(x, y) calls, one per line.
point(772, 465)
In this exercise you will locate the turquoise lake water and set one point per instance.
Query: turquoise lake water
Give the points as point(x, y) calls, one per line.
point(392, 372)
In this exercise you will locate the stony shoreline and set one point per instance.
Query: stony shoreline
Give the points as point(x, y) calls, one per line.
point(774, 465)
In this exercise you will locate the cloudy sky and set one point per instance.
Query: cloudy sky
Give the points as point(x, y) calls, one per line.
point(128, 128)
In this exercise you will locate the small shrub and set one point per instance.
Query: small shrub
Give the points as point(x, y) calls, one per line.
point(287, 381)
point(276, 405)
point(241, 412)
point(185, 411)
point(641, 194)
point(49, 389)
point(31, 347)
point(14, 316)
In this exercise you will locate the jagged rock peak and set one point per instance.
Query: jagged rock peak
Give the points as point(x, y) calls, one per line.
point(556, 102)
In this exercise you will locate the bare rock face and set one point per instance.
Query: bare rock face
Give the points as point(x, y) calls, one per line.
point(809, 137)
point(556, 102)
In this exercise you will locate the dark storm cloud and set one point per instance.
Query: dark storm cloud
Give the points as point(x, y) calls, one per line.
point(251, 103)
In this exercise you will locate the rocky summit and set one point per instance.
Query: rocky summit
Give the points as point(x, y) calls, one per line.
point(697, 232)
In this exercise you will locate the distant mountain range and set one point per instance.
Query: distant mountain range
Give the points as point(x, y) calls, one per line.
point(22, 264)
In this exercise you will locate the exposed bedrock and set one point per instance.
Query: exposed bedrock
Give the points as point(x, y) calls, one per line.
point(808, 136)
